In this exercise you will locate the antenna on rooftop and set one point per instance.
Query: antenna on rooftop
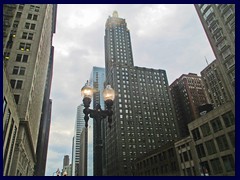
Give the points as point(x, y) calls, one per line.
point(206, 60)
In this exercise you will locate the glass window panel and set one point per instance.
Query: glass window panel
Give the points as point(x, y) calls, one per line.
point(228, 162)
point(216, 166)
point(222, 143)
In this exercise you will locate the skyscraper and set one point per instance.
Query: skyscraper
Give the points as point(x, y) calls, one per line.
point(188, 93)
point(79, 125)
point(65, 161)
point(83, 152)
point(218, 21)
point(97, 79)
point(28, 55)
point(143, 117)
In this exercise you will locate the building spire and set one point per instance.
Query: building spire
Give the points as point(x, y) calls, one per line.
point(115, 14)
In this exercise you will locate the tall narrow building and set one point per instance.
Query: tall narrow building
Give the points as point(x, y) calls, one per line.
point(83, 152)
point(97, 79)
point(79, 125)
point(218, 21)
point(65, 161)
point(188, 93)
point(143, 115)
point(27, 54)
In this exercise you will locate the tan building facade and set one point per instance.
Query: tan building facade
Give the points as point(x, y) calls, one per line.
point(26, 58)
point(214, 136)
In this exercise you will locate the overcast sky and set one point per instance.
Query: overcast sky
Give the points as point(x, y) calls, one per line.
point(168, 37)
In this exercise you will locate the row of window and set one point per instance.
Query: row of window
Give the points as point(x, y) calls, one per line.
point(216, 125)
point(210, 146)
point(9, 135)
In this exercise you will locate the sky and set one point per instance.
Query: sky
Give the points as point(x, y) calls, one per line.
point(168, 37)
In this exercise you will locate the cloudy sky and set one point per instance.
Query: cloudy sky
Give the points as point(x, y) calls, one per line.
point(168, 37)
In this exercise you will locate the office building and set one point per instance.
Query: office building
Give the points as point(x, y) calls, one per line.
point(83, 152)
point(213, 83)
point(97, 79)
point(79, 125)
point(65, 161)
point(218, 21)
point(188, 93)
point(143, 114)
point(214, 136)
point(188, 162)
point(159, 162)
point(28, 32)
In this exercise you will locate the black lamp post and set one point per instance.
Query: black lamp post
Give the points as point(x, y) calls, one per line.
point(98, 114)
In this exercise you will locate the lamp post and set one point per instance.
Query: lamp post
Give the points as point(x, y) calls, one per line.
point(57, 172)
point(98, 115)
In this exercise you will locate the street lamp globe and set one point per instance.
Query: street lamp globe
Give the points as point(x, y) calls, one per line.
point(108, 93)
point(87, 91)
point(65, 173)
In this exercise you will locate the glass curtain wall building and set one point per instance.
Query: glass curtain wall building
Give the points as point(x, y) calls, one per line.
point(97, 80)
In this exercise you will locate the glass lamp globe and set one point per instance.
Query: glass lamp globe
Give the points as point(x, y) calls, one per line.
point(108, 93)
point(87, 91)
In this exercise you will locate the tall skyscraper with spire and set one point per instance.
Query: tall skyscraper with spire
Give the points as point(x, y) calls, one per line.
point(28, 61)
point(143, 117)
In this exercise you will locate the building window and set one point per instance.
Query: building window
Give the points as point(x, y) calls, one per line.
point(218, 36)
point(24, 46)
point(28, 36)
point(205, 129)
point(227, 14)
point(16, 84)
point(185, 156)
point(16, 97)
point(230, 63)
point(20, 7)
point(19, 70)
point(200, 151)
point(30, 26)
point(204, 7)
point(231, 136)
point(210, 20)
point(34, 8)
point(226, 53)
point(228, 119)
point(15, 24)
point(214, 28)
point(216, 166)
point(208, 12)
point(210, 145)
point(216, 124)
point(205, 168)
point(221, 45)
point(4, 105)
point(228, 162)
point(32, 17)
point(22, 58)
point(196, 134)
point(18, 15)
point(222, 143)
